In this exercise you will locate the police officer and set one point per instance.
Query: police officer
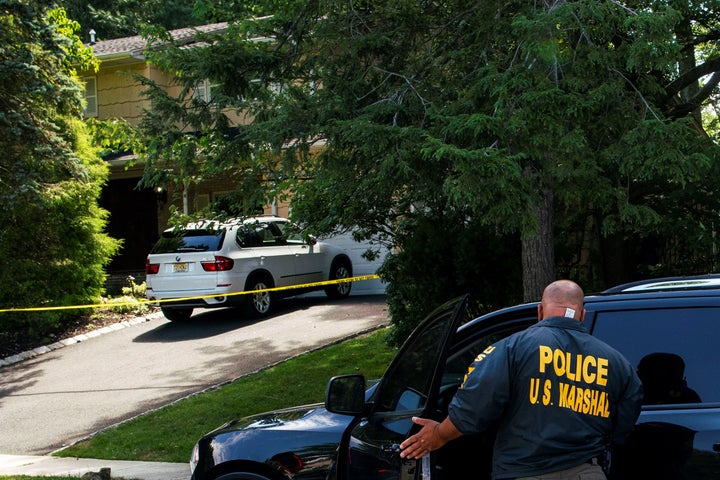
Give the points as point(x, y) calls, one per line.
point(559, 396)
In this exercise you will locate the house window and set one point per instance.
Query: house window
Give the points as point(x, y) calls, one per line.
point(202, 200)
point(91, 104)
point(203, 91)
point(275, 88)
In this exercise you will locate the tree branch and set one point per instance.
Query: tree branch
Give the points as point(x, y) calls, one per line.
point(697, 100)
point(690, 77)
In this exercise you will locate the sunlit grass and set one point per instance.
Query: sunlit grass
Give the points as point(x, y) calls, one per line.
point(168, 434)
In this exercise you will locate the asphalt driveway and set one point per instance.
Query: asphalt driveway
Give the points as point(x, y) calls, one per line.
point(65, 395)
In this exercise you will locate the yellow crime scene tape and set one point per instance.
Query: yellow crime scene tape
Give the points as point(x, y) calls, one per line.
point(155, 302)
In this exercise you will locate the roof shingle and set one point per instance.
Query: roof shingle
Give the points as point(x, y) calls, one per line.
point(136, 44)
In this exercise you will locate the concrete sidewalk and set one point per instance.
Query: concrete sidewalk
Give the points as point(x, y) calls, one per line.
point(57, 466)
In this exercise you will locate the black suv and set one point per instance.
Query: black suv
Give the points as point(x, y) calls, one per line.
point(669, 328)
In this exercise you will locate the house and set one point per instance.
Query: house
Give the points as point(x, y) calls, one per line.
point(137, 216)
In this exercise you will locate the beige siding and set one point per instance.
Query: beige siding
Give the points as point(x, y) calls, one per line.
point(120, 93)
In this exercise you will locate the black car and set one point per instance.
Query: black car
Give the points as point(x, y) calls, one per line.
point(669, 328)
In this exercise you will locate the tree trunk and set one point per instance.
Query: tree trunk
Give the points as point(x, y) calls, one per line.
point(684, 33)
point(538, 250)
point(186, 198)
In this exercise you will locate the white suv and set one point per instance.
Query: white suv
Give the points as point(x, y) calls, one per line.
point(202, 264)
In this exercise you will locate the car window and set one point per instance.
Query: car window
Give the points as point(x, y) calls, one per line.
point(458, 363)
point(674, 350)
point(290, 233)
point(412, 372)
point(461, 358)
point(258, 234)
point(196, 240)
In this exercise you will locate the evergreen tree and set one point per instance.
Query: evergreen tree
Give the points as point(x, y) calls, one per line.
point(52, 245)
point(124, 18)
point(569, 129)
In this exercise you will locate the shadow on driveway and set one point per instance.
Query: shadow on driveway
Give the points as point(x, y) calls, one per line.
point(207, 323)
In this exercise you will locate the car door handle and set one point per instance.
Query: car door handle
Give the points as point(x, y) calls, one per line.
point(391, 448)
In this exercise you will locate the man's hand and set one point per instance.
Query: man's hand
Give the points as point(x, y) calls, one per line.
point(423, 442)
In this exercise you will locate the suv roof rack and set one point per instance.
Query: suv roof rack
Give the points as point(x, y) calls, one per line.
point(711, 280)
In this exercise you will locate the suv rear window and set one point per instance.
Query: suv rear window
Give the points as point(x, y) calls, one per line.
point(189, 241)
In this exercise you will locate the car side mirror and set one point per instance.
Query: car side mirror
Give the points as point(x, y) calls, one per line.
point(346, 394)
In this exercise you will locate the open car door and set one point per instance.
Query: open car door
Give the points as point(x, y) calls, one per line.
point(410, 387)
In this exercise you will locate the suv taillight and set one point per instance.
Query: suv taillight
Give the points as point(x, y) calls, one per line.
point(151, 268)
point(219, 265)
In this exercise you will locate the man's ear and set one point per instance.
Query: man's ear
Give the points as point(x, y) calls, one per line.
point(540, 312)
point(582, 315)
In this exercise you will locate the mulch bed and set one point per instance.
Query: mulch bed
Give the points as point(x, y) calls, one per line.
point(13, 343)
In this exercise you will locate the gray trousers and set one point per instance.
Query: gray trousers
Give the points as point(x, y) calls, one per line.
point(586, 471)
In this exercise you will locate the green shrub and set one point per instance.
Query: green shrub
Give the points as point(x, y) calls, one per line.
point(126, 304)
point(53, 247)
point(136, 290)
point(443, 257)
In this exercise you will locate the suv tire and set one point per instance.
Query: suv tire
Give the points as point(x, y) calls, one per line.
point(259, 304)
point(175, 314)
point(341, 268)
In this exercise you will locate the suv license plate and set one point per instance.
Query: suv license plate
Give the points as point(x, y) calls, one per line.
point(180, 267)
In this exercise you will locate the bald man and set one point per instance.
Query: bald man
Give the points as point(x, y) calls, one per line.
point(559, 395)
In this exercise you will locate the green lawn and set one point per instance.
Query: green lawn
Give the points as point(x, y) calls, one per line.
point(168, 434)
